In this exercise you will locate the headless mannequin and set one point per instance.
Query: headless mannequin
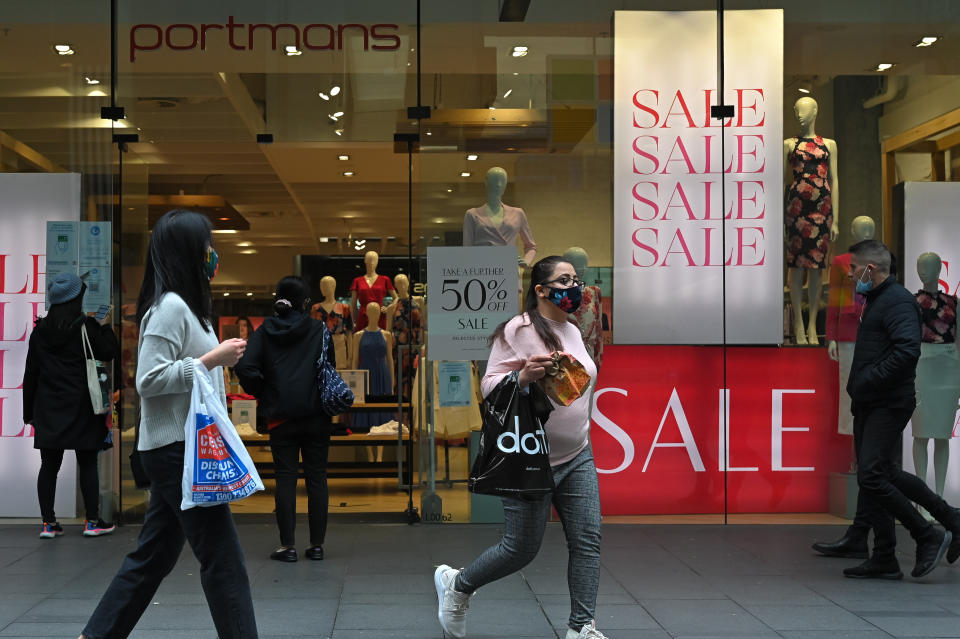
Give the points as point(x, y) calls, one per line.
point(589, 317)
point(402, 285)
point(328, 289)
point(370, 260)
point(342, 342)
point(373, 313)
point(862, 228)
point(805, 110)
point(928, 268)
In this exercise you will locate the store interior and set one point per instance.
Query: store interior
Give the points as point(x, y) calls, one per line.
point(326, 184)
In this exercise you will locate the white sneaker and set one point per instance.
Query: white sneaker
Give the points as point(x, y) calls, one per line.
point(452, 604)
point(589, 631)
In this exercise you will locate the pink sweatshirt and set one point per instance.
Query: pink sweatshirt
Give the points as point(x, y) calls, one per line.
point(568, 427)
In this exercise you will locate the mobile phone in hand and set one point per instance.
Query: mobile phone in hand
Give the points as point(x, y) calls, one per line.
point(102, 312)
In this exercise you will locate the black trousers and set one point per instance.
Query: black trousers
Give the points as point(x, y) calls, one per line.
point(309, 438)
point(886, 491)
point(50, 462)
point(213, 538)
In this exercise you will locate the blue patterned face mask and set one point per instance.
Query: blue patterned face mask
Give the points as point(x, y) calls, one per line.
point(568, 299)
point(864, 287)
point(212, 263)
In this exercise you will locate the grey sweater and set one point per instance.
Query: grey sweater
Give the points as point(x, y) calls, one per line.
point(171, 338)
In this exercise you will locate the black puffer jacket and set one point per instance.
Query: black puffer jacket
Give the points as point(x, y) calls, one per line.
point(885, 357)
point(55, 394)
point(279, 367)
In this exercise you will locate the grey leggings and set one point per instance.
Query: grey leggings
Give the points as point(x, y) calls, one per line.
point(577, 500)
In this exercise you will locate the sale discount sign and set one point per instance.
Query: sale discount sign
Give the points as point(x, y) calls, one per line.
point(472, 290)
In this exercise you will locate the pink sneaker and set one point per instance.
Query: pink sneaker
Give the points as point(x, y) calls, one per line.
point(97, 528)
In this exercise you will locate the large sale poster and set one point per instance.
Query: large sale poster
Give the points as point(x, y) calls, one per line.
point(29, 201)
point(697, 228)
point(681, 430)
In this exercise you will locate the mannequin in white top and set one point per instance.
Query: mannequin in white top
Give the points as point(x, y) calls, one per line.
point(810, 215)
point(497, 224)
point(938, 373)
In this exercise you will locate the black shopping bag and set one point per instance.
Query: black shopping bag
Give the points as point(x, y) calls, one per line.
point(514, 459)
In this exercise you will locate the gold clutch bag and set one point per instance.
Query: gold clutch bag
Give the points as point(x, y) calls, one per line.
point(566, 379)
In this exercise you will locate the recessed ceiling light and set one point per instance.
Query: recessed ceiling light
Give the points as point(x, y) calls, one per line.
point(343, 158)
point(339, 131)
point(429, 132)
point(348, 174)
point(249, 294)
point(515, 73)
point(802, 90)
point(224, 231)
point(338, 114)
point(883, 66)
point(449, 190)
point(334, 90)
point(332, 117)
point(464, 173)
point(244, 244)
point(323, 240)
point(507, 94)
point(226, 294)
point(63, 49)
point(90, 80)
point(472, 157)
point(223, 219)
point(324, 95)
point(291, 49)
point(926, 41)
point(493, 108)
point(519, 51)
point(248, 252)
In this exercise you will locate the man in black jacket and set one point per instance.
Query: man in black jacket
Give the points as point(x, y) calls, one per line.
point(881, 386)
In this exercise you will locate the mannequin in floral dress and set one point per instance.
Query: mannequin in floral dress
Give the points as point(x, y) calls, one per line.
point(338, 319)
point(367, 288)
point(810, 215)
point(405, 322)
point(589, 317)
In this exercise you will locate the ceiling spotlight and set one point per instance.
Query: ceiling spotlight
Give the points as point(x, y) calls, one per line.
point(332, 117)
point(248, 252)
point(507, 94)
point(519, 51)
point(883, 66)
point(802, 90)
point(291, 49)
point(91, 81)
point(244, 244)
point(249, 294)
point(323, 240)
point(464, 173)
point(472, 157)
point(338, 114)
point(62, 48)
point(324, 95)
point(348, 174)
point(339, 131)
point(429, 132)
point(343, 158)
point(449, 190)
point(493, 108)
point(224, 231)
point(335, 90)
point(226, 294)
point(926, 41)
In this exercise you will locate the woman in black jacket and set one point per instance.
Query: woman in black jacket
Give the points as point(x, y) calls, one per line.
point(279, 369)
point(56, 400)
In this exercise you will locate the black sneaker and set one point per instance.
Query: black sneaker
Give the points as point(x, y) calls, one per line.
point(284, 553)
point(97, 528)
point(930, 551)
point(875, 569)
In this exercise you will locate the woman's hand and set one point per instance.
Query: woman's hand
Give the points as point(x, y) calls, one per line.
point(534, 369)
point(226, 354)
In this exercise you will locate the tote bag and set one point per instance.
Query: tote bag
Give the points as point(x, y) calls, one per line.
point(98, 382)
point(216, 465)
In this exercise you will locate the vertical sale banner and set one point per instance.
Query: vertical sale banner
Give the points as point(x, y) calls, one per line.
point(698, 202)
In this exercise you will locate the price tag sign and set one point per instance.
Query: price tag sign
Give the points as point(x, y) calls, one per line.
point(472, 289)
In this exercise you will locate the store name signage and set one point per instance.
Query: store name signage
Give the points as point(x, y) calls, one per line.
point(241, 36)
point(697, 201)
point(668, 438)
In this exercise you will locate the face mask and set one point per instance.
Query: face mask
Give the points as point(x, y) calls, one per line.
point(567, 299)
point(212, 264)
point(864, 287)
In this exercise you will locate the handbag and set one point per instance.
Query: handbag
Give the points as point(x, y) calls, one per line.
point(566, 380)
point(514, 457)
point(335, 396)
point(98, 382)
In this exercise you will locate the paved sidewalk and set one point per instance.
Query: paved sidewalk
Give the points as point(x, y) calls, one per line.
point(657, 582)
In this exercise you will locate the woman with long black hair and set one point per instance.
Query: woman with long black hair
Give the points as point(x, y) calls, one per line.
point(279, 369)
point(523, 346)
point(174, 311)
point(56, 400)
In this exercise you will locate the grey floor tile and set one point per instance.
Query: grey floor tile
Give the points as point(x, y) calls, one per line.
point(41, 629)
point(706, 618)
point(747, 590)
point(918, 626)
point(835, 634)
point(608, 617)
point(790, 617)
point(384, 615)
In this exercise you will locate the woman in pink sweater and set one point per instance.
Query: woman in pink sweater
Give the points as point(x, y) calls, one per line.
point(523, 346)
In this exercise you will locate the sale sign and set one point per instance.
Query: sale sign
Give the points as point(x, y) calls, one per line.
point(673, 434)
point(473, 289)
point(698, 202)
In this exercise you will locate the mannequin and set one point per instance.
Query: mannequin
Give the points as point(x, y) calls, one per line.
point(373, 351)
point(938, 372)
point(843, 318)
point(810, 214)
point(497, 224)
point(367, 288)
point(338, 319)
point(404, 324)
point(589, 317)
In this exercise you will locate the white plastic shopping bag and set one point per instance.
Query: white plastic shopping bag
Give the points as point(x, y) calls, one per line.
point(216, 465)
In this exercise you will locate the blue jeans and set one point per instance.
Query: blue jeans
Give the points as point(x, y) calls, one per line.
point(577, 500)
point(213, 538)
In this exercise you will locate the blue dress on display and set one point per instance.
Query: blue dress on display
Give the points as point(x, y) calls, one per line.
point(373, 358)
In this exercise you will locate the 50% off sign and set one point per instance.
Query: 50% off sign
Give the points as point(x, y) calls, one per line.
point(472, 290)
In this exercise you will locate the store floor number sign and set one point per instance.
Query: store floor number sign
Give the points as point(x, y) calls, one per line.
point(472, 290)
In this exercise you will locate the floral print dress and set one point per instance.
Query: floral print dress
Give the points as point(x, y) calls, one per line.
point(808, 216)
point(939, 316)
